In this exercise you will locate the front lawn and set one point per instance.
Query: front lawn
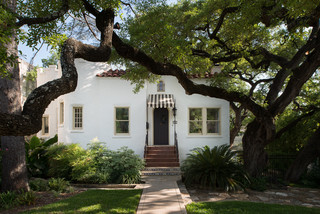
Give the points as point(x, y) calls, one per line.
point(95, 201)
point(239, 207)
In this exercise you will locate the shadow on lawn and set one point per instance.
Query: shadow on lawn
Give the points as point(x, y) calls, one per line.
point(95, 201)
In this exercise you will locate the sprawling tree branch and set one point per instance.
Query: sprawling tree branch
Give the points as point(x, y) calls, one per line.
point(90, 8)
point(299, 77)
point(29, 122)
point(136, 55)
point(224, 13)
point(294, 123)
point(41, 20)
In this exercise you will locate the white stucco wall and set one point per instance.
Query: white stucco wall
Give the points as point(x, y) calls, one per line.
point(43, 76)
point(183, 103)
point(99, 96)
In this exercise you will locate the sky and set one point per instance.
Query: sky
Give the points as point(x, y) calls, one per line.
point(28, 53)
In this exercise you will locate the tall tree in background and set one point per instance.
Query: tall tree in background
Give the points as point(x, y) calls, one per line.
point(14, 172)
point(14, 169)
point(46, 20)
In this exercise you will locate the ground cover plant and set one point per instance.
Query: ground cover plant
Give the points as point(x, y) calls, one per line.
point(95, 201)
point(216, 167)
point(231, 207)
point(11, 199)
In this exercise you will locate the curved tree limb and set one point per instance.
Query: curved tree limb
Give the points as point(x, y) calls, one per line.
point(41, 20)
point(299, 77)
point(294, 123)
point(136, 55)
point(29, 122)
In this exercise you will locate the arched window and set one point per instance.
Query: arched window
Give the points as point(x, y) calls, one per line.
point(161, 86)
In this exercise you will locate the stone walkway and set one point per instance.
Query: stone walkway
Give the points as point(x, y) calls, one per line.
point(290, 196)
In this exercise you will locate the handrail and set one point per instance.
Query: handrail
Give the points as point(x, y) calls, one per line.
point(146, 145)
point(176, 144)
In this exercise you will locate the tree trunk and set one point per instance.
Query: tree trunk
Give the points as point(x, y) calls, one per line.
point(310, 152)
point(14, 171)
point(237, 122)
point(256, 137)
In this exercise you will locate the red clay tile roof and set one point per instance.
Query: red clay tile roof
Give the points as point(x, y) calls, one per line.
point(112, 73)
point(197, 76)
point(119, 73)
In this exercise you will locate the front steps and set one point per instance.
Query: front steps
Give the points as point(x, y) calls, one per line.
point(161, 171)
point(161, 156)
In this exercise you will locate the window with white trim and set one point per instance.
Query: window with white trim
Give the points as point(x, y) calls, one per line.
point(45, 125)
point(77, 118)
point(122, 121)
point(204, 121)
point(61, 115)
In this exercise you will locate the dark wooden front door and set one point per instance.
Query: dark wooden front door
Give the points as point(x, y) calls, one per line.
point(161, 126)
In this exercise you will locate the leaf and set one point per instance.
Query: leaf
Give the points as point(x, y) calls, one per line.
point(34, 142)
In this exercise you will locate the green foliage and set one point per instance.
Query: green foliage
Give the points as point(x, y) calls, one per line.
point(36, 156)
point(32, 75)
point(244, 207)
point(8, 199)
point(312, 177)
point(61, 158)
point(27, 198)
point(125, 165)
point(259, 184)
point(51, 60)
point(59, 185)
point(97, 164)
point(101, 165)
point(217, 168)
point(39, 184)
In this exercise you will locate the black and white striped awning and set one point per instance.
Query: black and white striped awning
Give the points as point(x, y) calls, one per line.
point(160, 101)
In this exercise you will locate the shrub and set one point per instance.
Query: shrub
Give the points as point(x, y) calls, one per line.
point(100, 165)
point(312, 177)
point(61, 158)
point(216, 168)
point(37, 160)
point(27, 198)
point(125, 166)
point(258, 183)
point(39, 184)
point(59, 185)
point(8, 199)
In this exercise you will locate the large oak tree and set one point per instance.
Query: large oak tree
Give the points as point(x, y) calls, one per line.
point(270, 46)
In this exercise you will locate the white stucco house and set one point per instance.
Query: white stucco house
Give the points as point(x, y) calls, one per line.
point(104, 106)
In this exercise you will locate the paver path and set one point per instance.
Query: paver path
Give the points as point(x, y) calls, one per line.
point(161, 194)
point(289, 196)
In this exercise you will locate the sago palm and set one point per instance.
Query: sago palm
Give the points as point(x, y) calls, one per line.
point(217, 168)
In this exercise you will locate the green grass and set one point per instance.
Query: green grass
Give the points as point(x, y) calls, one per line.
point(239, 207)
point(95, 201)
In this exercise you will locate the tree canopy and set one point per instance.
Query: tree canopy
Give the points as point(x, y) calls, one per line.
point(268, 51)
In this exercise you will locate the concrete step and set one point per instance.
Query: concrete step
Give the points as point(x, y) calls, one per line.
point(160, 148)
point(174, 159)
point(155, 152)
point(162, 164)
point(161, 171)
point(166, 155)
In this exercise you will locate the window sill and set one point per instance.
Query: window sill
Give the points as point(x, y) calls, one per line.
point(121, 136)
point(76, 131)
point(204, 136)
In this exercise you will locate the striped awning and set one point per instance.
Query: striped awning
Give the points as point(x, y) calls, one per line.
point(160, 101)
